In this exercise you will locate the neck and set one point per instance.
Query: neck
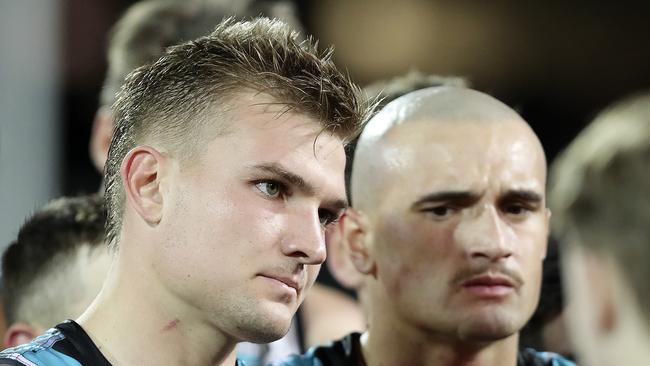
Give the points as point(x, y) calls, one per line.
point(392, 343)
point(136, 321)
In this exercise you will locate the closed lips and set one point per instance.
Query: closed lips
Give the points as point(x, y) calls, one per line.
point(489, 281)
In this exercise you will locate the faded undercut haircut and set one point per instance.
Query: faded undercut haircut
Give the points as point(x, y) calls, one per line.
point(601, 191)
point(166, 103)
point(149, 27)
point(37, 267)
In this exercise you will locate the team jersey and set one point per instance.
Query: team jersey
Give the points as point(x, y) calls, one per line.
point(347, 352)
point(67, 344)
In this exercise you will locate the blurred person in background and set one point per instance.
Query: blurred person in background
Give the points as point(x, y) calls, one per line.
point(225, 168)
point(601, 200)
point(55, 267)
point(140, 37)
point(449, 228)
point(3, 317)
point(148, 28)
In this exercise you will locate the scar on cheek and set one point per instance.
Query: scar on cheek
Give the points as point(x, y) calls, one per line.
point(171, 325)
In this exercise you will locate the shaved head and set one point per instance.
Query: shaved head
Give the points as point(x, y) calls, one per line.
point(377, 155)
point(448, 185)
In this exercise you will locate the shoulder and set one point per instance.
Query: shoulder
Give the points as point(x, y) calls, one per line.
point(344, 352)
point(38, 352)
point(530, 357)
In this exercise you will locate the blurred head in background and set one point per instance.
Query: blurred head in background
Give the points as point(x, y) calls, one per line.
point(148, 28)
point(56, 266)
point(601, 201)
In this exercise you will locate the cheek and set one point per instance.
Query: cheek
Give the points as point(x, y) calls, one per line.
point(529, 242)
point(529, 248)
point(237, 217)
point(312, 273)
point(412, 253)
point(221, 229)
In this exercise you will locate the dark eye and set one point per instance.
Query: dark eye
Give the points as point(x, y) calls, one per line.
point(327, 217)
point(516, 209)
point(270, 188)
point(440, 212)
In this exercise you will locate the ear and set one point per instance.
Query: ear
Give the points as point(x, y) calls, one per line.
point(605, 289)
point(338, 261)
point(142, 171)
point(20, 333)
point(356, 239)
point(100, 137)
point(547, 217)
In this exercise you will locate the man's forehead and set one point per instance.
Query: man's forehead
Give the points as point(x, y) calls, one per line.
point(440, 138)
point(463, 155)
point(452, 134)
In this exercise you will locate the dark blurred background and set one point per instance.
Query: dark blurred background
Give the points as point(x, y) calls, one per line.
point(557, 62)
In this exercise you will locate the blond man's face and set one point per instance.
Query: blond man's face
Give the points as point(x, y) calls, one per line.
point(245, 222)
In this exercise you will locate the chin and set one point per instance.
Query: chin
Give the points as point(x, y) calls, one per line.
point(265, 326)
point(263, 332)
point(489, 328)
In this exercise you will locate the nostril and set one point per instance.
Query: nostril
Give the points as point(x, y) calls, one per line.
point(298, 254)
point(479, 255)
point(491, 253)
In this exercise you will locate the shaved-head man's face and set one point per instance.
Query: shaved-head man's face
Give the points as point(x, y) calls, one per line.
point(457, 220)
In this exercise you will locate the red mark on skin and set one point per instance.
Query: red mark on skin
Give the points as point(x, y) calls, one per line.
point(171, 325)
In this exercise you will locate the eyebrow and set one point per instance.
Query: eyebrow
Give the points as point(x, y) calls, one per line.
point(523, 195)
point(467, 197)
point(447, 196)
point(300, 183)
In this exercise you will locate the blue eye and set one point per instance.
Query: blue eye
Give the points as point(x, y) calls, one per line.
point(270, 188)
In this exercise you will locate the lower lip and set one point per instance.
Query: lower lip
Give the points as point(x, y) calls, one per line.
point(485, 291)
point(279, 284)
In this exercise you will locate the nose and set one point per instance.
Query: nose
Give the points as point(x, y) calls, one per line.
point(484, 235)
point(306, 242)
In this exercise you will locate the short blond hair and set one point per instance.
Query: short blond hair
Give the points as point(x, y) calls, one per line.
point(164, 102)
point(149, 27)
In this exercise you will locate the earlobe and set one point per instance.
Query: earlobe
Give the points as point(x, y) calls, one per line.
point(356, 239)
point(142, 170)
point(20, 333)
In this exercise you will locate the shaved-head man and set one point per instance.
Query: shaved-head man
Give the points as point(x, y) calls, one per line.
point(449, 228)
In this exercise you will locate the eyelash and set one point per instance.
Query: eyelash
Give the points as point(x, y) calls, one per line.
point(521, 206)
point(331, 218)
point(450, 210)
point(283, 190)
point(432, 211)
point(327, 217)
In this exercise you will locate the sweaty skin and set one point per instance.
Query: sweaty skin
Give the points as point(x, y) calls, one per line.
point(448, 188)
